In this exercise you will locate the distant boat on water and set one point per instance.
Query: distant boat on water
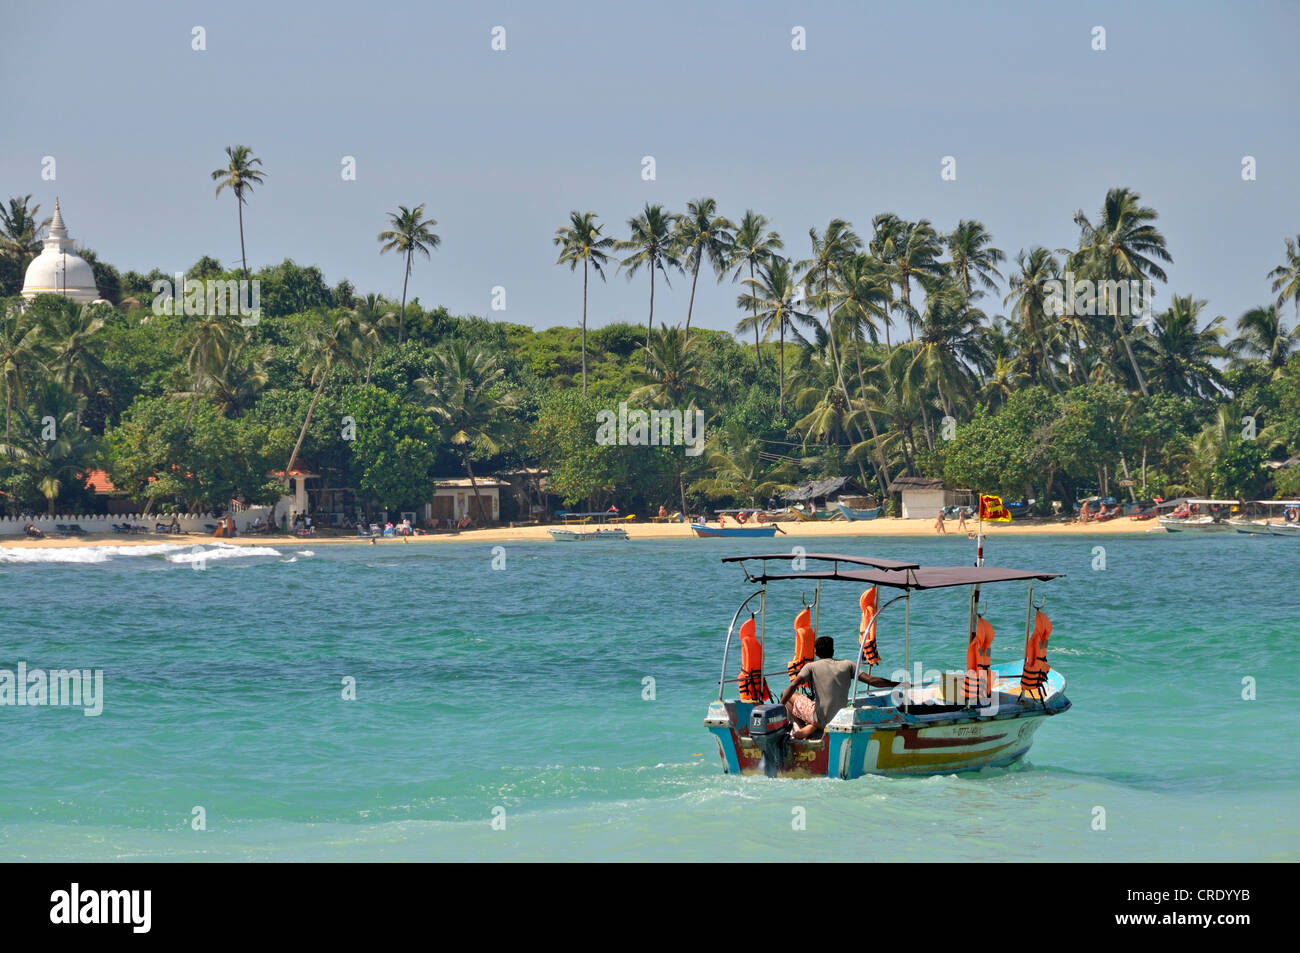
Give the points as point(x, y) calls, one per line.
point(704, 529)
point(572, 536)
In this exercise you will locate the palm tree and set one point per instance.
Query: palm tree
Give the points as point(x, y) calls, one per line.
point(742, 469)
point(973, 255)
point(20, 231)
point(71, 343)
point(580, 241)
point(951, 348)
point(239, 176)
point(912, 250)
point(752, 245)
point(411, 233)
point(1122, 246)
point(19, 351)
point(771, 297)
point(651, 245)
point(323, 349)
point(468, 398)
point(51, 464)
point(371, 317)
point(1286, 276)
point(206, 345)
point(1183, 354)
point(671, 380)
point(1028, 288)
point(703, 233)
point(1261, 335)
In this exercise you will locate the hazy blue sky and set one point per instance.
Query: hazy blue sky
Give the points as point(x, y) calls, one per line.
point(501, 145)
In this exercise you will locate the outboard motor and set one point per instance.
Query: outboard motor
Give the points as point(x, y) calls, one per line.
point(769, 726)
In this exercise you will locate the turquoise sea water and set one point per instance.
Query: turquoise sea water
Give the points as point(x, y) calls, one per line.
point(518, 694)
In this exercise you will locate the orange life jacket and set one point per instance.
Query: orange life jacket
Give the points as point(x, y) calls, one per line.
point(753, 688)
point(1033, 677)
point(804, 638)
point(867, 631)
point(979, 658)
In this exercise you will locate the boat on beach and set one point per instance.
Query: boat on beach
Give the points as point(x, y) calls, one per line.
point(1197, 515)
point(941, 723)
point(855, 508)
point(740, 532)
point(586, 536)
point(1286, 522)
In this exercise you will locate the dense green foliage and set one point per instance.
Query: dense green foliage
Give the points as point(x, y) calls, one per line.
point(878, 356)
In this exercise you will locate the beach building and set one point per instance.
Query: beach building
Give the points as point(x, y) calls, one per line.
point(819, 493)
point(58, 270)
point(453, 497)
point(924, 497)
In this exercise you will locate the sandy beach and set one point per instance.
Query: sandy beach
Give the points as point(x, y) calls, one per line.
point(635, 531)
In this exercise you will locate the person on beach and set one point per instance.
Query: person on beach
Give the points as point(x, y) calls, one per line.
point(830, 679)
point(938, 525)
point(961, 521)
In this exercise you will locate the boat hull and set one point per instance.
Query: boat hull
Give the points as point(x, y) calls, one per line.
point(600, 535)
point(873, 738)
point(734, 531)
point(1196, 525)
point(854, 514)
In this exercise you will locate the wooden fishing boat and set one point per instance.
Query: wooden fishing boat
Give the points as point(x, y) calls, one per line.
point(925, 722)
point(807, 516)
point(740, 532)
point(586, 536)
point(852, 512)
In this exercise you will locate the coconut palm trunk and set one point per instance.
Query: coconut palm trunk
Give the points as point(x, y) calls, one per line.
point(302, 434)
point(584, 328)
point(482, 512)
point(243, 253)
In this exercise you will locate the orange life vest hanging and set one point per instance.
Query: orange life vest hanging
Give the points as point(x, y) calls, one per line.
point(1033, 677)
point(867, 630)
point(804, 639)
point(753, 688)
point(979, 659)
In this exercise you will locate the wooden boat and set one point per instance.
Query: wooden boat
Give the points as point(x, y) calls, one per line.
point(586, 536)
point(926, 724)
point(704, 529)
point(853, 512)
point(799, 513)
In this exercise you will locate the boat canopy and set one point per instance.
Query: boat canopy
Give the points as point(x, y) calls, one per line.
point(906, 576)
point(874, 562)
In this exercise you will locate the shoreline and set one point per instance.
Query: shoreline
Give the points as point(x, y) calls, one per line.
point(636, 531)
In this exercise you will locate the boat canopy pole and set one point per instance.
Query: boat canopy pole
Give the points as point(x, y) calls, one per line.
point(817, 606)
point(907, 644)
point(722, 682)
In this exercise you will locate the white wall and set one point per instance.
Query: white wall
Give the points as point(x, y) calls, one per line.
point(190, 522)
point(923, 504)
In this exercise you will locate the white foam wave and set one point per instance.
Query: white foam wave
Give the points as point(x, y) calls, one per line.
point(304, 552)
point(221, 551)
point(89, 555)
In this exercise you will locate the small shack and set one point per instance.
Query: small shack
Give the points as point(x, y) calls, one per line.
point(923, 497)
point(453, 497)
point(818, 493)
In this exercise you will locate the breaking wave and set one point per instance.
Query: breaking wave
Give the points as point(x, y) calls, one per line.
point(173, 552)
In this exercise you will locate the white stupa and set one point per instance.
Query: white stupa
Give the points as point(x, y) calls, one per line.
point(58, 270)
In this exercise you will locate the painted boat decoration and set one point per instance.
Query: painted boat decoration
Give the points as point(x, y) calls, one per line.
point(741, 532)
point(943, 722)
point(586, 536)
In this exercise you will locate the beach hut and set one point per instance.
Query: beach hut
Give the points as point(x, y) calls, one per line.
point(453, 498)
point(817, 493)
point(923, 497)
